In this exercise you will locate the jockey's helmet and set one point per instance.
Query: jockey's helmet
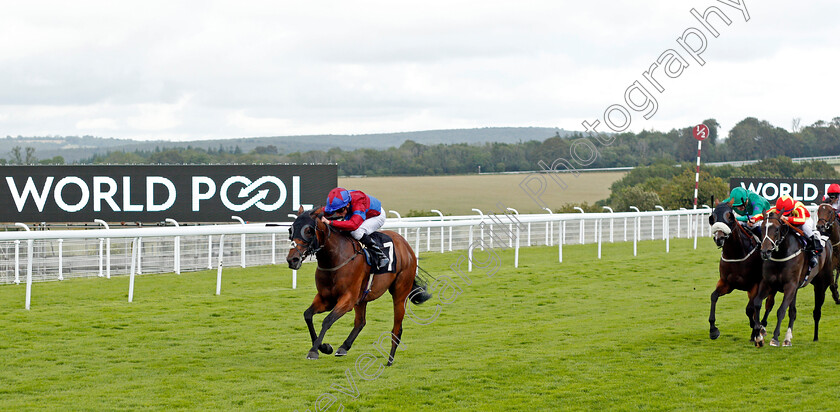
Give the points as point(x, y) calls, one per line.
point(833, 188)
point(337, 199)
point(738, 197)
point(785, 204)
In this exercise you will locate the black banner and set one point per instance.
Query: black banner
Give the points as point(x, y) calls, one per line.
point(152, 193)
point(804, 190)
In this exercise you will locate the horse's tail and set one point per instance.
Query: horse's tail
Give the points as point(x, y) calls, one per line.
point(420, 289)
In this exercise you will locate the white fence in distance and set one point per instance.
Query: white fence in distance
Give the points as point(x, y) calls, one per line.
point(61, 254)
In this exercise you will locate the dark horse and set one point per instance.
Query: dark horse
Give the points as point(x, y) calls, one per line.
point(740, 263)
point(785, 269)
point(829, 225)
point(342, 279)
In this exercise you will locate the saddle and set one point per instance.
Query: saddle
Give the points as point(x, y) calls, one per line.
point(386, 244)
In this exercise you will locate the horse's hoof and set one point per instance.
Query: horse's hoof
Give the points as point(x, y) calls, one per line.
point(714, 333)
point(787, 343)
point(759, 341)
point(313, 354)
point(774, 342)
point(325, 348)
point(341, 352)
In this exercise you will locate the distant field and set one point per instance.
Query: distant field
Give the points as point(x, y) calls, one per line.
point(459, 194)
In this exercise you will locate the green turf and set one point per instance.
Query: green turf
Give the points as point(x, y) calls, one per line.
point(620, 333)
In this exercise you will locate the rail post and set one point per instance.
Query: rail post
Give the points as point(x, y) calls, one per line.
point(177, 260)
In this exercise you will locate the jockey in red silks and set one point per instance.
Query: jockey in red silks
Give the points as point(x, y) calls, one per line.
point(357, 213)
point(795, 213)
point(832, 197)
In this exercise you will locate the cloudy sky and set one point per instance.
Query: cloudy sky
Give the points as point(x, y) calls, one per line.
point(222, 69)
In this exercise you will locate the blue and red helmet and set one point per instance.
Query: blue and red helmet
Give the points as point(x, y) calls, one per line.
point(337, 199)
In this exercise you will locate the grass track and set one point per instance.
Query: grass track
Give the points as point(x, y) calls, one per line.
point(620, 333)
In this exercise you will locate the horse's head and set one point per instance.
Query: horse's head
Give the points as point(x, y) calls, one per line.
point(304, 235)
point(775, 231)
point(722, 221)
point(826, 218)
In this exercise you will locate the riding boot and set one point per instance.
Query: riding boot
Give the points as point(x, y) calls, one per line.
point(816, 244)
point(381, 259)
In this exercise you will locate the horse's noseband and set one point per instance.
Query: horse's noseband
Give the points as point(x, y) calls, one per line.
point(312, 245)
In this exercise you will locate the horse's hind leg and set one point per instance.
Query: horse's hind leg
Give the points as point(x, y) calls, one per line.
point(819, 299)
point(359, 323)
point(834, 292)
point(343, 306)
point(399, 292)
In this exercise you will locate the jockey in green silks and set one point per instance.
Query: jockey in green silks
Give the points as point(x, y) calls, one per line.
point(747, 205)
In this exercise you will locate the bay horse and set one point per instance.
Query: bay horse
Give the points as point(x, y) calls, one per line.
point(785, 268)
point(829, 225)
point(740, 264)
point(342, 279)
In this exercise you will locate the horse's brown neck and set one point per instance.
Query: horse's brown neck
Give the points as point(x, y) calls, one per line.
point(739, 242)
point(332, 253)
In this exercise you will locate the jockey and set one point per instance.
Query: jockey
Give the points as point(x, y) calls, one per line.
point(359, 214)
point(747, 205)
point(795, 213)
point(832, 197)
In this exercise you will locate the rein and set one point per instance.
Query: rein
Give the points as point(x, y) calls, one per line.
point(356, 252)
point(727, 231)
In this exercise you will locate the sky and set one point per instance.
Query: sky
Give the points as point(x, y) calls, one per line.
point(167, 70)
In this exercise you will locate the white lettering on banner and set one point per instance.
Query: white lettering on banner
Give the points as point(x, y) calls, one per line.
point(771, 191)
point(99, 195)
point(103, 191)
point(784, 189)
point(767, 195)
point(810, 188)
point(127, 206)
point(29, 189)
point(198, 195)
point(151, 181)
point(250, 187)
point(59, 200)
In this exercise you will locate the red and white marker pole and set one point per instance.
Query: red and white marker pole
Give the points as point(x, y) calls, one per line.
point(700, 132)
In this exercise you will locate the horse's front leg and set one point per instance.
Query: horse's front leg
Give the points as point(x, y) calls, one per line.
point(721, 289)
point(317, 306)
point(790, 299)
point(358, 324)
point(757, 336)
point(345, 303)
point(768, 306)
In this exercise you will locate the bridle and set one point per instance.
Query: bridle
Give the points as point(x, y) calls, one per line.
point(783, 226)
point(828, 222)
point(312, 246)
point(752, 238)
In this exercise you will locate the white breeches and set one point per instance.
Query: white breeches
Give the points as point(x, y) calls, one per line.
point(369, 226)
point(808, 228)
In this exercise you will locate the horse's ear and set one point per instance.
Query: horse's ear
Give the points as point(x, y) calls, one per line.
point(318, 212)
point(300, 210)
